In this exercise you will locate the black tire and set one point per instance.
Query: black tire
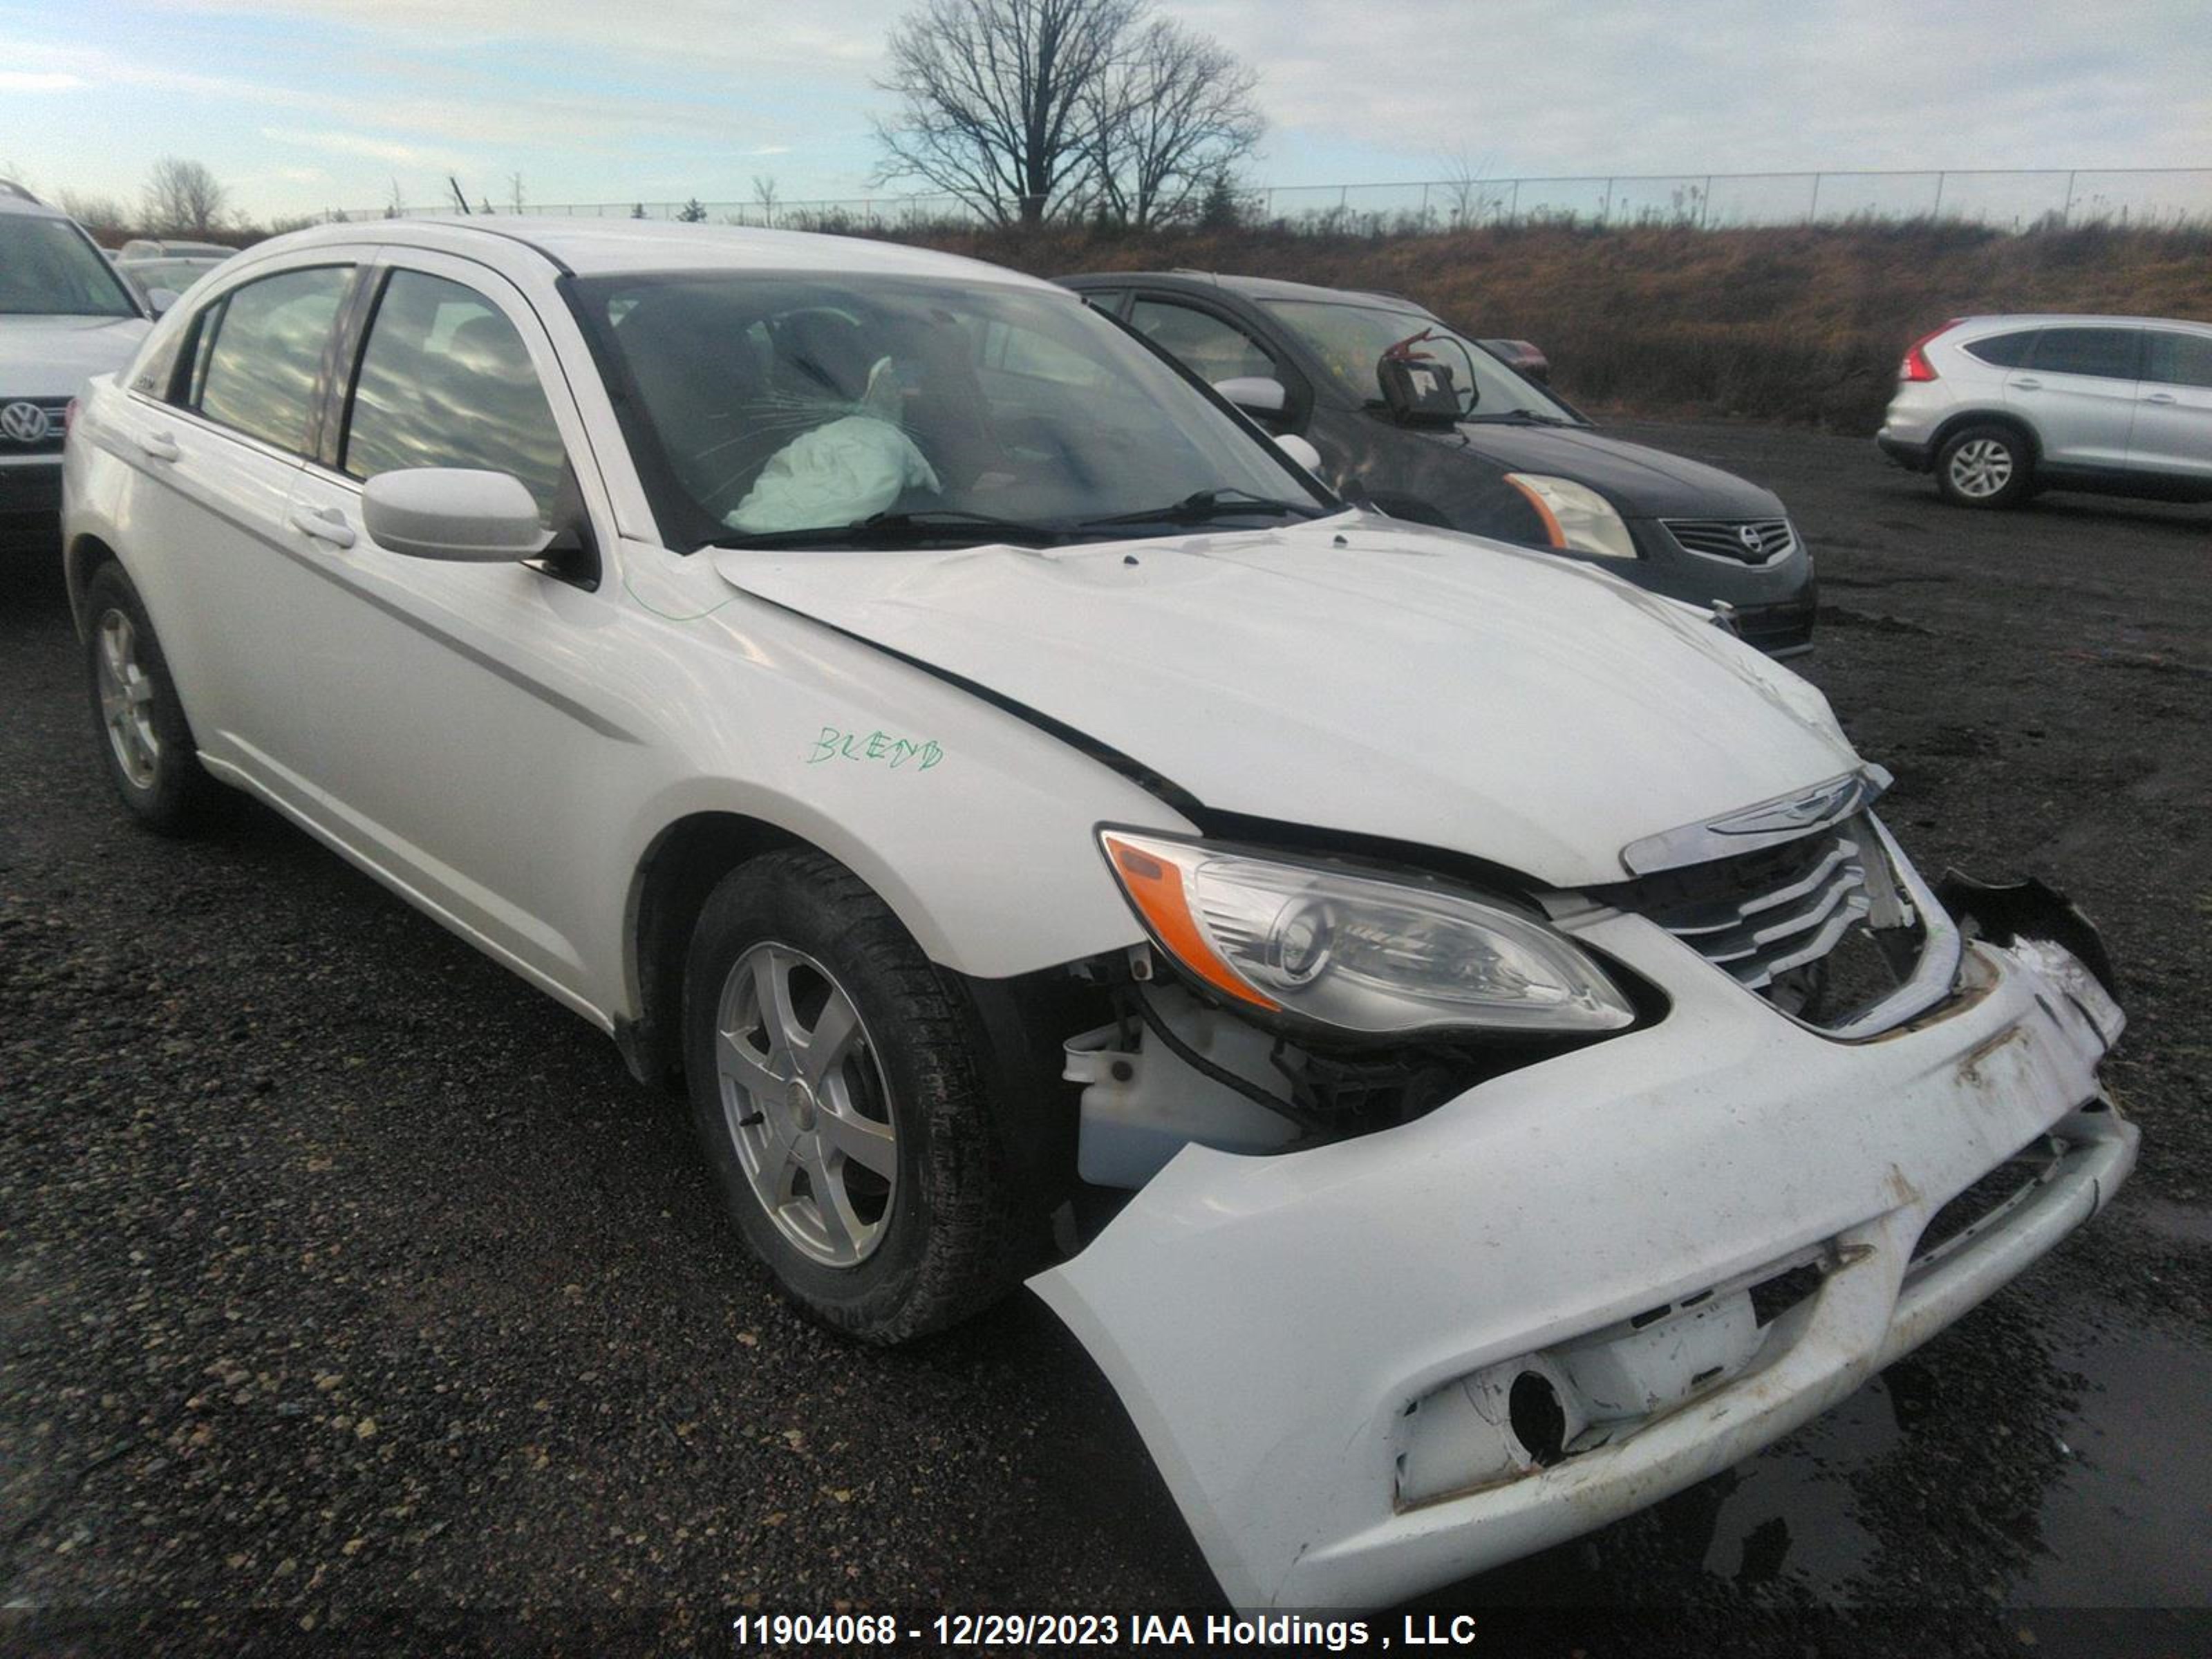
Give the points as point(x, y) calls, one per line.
point(951, 1235)
point(167, 790)
point(1985, 466)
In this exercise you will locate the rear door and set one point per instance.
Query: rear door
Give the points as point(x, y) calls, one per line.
point(215, 445)
point(2079, 390)
point(2172, 431)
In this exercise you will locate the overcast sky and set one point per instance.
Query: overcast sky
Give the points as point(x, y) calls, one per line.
point(302, 107)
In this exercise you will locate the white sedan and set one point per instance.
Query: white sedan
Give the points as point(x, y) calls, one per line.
point(1446, 1029)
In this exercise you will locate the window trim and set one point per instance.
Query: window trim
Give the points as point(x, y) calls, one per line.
point(2150, 334)
point(1297, 387)
point(2035, 365)
point(577, 555)
point(189, 368)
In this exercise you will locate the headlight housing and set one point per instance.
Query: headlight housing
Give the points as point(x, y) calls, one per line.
point(1357, 953)
point(1577, 519)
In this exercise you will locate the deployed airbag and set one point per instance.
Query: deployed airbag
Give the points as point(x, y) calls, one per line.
point(834, 475)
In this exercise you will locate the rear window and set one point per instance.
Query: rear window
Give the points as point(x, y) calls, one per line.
point(2108, 353)
point(2005, 350)
point(2172, 358)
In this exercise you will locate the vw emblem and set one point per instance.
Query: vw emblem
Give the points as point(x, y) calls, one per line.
point(1754, 539)
point(26, 423)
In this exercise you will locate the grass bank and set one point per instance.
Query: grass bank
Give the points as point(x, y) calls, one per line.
point(1800, 324)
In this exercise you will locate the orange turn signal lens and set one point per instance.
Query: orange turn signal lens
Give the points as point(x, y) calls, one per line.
point(1553, 533)
point(1155, 887)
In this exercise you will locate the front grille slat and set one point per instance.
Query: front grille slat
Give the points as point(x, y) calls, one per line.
point(1745, 541)
point(1769, 917)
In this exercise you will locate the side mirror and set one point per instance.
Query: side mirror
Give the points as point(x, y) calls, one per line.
point(160, 300)
point(453, 513)
point(1419, 391)
point(1258, 395)
point(1299, 450)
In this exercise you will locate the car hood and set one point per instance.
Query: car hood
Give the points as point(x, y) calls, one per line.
point(1355, 674)
point(1640, 483)
point(53, 357)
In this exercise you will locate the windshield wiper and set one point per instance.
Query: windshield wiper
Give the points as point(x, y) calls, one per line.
point(1210, 504)
point(922, 524)
point(1526, 416)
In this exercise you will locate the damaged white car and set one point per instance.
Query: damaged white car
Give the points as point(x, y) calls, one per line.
point(1448, 1030)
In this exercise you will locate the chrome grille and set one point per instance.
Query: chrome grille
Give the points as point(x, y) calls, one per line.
point(1746, 541)
point(1795, 917)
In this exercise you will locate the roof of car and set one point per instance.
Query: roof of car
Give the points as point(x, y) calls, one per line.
point(29, 206)
point(597, 248)
point(1251, 287)
point(2045, 319)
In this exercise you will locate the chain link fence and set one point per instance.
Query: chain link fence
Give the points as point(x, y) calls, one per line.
point(2002, 200)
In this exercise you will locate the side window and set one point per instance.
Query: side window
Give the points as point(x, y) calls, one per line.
point(2176, 359)
point(2108, 353)
point(445, 380)
point(2005, 350)
point(261, 355)
point(1209, 347)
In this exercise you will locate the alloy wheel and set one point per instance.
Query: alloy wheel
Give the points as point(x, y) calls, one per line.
point(1980, 468)
point(126, 701)
point(805, 1104)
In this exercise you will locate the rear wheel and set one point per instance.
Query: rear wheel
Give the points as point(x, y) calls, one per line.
point(1985, 466)
point(836, 1093)
point(144, 739)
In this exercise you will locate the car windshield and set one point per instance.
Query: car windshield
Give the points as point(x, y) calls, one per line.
point(48, 269)
point(1350, 340)
point(810, 408)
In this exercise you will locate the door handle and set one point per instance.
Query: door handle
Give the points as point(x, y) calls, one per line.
point(2159, 397)
point(159, 445)
point(2025, 384)
point(324, 525)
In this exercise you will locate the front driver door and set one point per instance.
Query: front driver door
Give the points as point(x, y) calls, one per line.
point(462, 713)
point(2173, 434)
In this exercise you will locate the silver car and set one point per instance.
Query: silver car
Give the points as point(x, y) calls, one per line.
point(1999, 408)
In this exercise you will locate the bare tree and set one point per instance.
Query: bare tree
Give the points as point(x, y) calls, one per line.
point(766, 194)
point(1173, 114)
point(397, 204)
point(691, 213)
point(996, 99)
point(1462, 184)
point(103, 215)
point(515, 193)
point(184, 196)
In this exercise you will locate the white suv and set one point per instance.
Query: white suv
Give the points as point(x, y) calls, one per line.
point(1999, 408)
point(1444, 1027)
point(64, 315)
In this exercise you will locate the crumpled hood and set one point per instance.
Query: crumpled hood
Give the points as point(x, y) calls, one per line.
point(1640, 483)
point(54, 357)
point(1355, 674)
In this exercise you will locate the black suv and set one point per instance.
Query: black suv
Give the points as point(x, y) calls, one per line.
point(1425, 424)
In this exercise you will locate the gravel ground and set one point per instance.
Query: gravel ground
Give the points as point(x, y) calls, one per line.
point(347, 1284)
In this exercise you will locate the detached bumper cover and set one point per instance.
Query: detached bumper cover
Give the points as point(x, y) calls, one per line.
point(1274, 1325)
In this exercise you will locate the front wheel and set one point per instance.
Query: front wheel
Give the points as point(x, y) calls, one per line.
point(837, 1094)
point(1984, 466)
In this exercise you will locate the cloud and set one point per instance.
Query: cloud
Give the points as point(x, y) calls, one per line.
point(373, 148)
point(38, 81)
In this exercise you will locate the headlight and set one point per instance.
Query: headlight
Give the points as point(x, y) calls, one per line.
point(1354, 952)
point(1576, 517)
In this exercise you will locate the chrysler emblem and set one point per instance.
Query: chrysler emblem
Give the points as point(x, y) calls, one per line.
point(26, 423)
point(1752, 536)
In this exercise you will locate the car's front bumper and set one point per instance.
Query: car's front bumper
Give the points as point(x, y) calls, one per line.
point(1315, 1344)
point(31, 488)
